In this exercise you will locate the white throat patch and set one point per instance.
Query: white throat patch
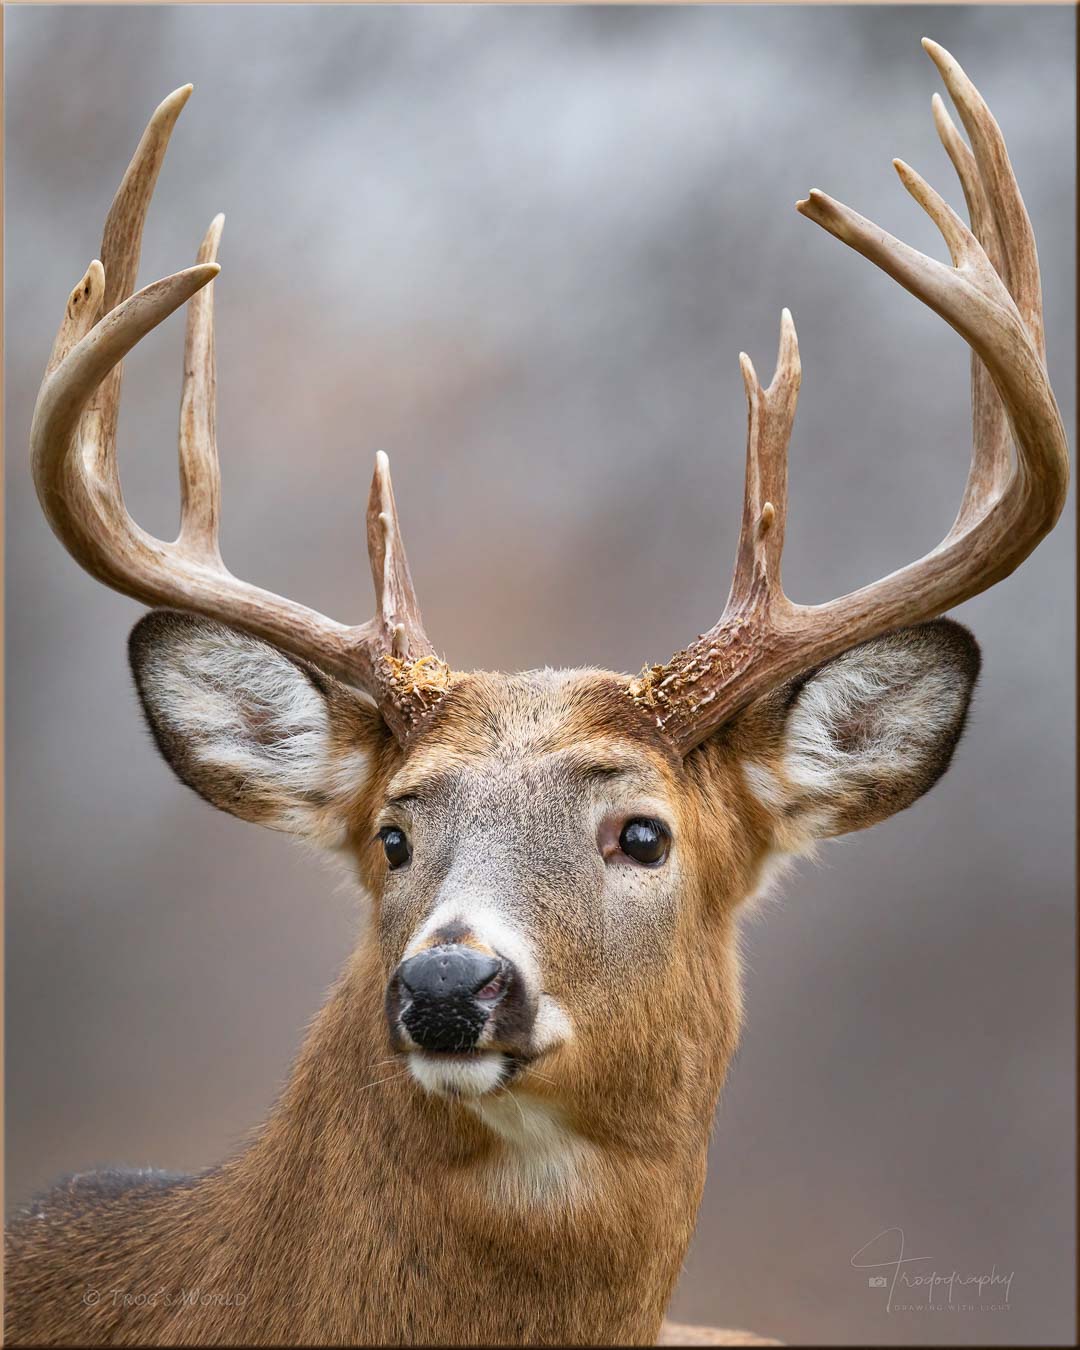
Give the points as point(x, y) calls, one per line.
point(542, 1162)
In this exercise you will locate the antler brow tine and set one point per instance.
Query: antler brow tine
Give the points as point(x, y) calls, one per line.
point(73, 454)
point(991, 295)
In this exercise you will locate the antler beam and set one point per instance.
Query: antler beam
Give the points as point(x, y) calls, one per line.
point(991, 295)
point(73, 450)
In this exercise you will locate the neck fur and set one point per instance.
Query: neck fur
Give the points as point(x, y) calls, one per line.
point(363, 1195)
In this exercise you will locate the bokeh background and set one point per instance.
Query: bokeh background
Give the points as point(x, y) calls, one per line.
point(520, 250)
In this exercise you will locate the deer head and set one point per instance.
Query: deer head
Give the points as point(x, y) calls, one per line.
point(554, 859)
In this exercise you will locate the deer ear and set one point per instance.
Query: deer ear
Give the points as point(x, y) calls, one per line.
point(864, 735)
point(258, 734)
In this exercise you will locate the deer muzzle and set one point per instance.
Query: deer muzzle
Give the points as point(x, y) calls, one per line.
point(454, 999)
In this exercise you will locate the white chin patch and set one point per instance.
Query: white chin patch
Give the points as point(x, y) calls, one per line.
point(459, 1075)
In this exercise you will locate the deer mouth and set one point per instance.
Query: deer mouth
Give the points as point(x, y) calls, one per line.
point(471, 1073)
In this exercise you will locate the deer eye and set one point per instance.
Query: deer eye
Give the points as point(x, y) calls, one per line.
point(646, 841)
point(396, 846)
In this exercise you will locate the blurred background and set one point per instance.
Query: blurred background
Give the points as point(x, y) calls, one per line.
point(520, 250)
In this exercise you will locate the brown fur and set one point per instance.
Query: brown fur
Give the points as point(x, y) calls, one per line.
point(367, 1211)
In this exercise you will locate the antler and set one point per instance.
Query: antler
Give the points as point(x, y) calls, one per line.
point(73, 448)
point(991, 295)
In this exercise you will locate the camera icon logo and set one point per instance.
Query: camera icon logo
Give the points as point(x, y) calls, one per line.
point(877, 1282)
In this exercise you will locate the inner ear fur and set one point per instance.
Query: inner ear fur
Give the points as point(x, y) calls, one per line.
point(862, 736)
point(257, 733)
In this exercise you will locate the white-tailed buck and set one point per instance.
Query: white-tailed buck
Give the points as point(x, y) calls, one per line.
point(553, 861)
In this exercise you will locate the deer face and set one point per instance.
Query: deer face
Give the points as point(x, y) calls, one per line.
point(553, 886)
point(534, 881)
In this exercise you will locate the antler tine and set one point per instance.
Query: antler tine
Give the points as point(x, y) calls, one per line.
point(983, 224)
point(73, 472)
point(121, 247)
point(1020, 259)
point(80, 314)
point(691, 685)
point(73, 439)
point(771, 412)
point(1007, 509)
point(990, 458)
point(397, 612)
point(200, 472)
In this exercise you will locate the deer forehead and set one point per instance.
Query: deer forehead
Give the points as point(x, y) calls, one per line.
point(503, 794)
point(542, 738)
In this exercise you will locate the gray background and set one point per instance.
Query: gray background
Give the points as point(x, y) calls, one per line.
point(520, 250)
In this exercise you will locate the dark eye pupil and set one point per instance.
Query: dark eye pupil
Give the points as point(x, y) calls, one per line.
point(646, 841)
point(396, 847)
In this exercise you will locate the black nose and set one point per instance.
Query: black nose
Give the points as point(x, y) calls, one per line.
point(448, 972)
point(439, 988)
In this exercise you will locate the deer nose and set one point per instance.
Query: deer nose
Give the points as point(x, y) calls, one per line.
point(448, 972)
point(447, 994)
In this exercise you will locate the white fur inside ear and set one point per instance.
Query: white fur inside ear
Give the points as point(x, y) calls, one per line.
point(246, 727)
point(867, 734)
point(869, 719)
